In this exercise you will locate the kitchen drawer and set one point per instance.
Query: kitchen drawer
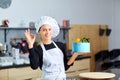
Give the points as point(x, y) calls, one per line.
point(80, 65)
point(22, 73)
point(3, 74)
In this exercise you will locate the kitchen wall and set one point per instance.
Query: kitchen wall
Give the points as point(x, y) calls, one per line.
point(77, 11)
point(115, 38)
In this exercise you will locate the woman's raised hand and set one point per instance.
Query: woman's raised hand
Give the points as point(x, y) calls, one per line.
point(30, 38)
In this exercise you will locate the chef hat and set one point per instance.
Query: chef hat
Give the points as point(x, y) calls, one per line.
point(50, 21)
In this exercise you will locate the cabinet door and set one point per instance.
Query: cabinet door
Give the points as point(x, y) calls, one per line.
point(4, 74)
point(78, 67)
point(23, 73)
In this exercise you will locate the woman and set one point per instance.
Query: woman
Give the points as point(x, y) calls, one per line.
point(48, 55)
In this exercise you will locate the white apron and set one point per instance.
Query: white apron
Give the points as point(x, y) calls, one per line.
point(53, 64)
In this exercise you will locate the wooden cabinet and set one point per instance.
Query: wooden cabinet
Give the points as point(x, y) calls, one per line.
point(78, 67)
point(19, 74)
point(4, 74)
point(22, 73)
point(25, 73)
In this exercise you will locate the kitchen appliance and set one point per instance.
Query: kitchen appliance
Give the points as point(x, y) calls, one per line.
point(2, 51)
point(0, 46)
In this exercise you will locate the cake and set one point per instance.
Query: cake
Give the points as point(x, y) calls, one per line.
point(80, 47)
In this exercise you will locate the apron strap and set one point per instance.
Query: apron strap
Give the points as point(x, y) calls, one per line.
point(55, 44)
point(44, 47)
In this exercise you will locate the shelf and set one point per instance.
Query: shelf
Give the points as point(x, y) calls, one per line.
point(65, 28)
point(23, 28)
point(13, 28)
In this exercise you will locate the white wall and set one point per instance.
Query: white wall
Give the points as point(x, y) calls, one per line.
point(77, 11)
point(115, 37)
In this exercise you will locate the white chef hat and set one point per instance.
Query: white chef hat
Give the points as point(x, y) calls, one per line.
point(50, 21)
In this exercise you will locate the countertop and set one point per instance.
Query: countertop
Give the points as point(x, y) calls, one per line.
point(14, 66)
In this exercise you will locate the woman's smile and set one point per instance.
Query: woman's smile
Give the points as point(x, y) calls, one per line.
point(46, 32)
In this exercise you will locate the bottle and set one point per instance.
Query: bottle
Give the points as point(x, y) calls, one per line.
point(5, 48)
point(1, 46)
point(15, 53)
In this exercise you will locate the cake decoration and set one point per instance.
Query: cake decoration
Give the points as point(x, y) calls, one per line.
point(81, 45)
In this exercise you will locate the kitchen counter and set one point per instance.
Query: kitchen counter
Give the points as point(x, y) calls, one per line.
point(16, 69)
point(14, 66)
point(21, 72)
point(28, 65)
point(24, 71)
point(80, 57)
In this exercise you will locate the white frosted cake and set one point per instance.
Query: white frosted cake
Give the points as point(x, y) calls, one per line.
point(80, 47)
